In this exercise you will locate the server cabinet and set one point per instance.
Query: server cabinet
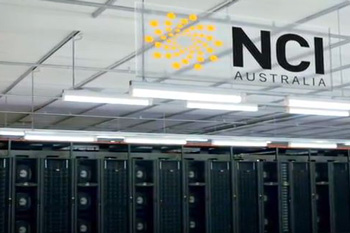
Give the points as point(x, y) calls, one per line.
point(115, 193)
point(87, 195)
point(247, 202)
point(4, 195)
point(341, 196)
point(220, 193)
point(25, 211)
point(270, 190)
point(143, 189)
point(170, 197)
point(56, 196)
point(321, 192)
point(300, 192)
point(196, 193)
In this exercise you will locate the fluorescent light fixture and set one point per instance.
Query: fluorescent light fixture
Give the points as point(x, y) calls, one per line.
point(197, 140)
point(163, 141)
point(58, 138)
point(318, 104)
point(11, 132)
point(93, 97)
point(182, 92)
point(313, 145)
point(110, 137)
point(239, 143)
point(224, 107)
point(319, 112)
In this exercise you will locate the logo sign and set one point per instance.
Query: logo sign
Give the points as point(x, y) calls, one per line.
point(184, 45)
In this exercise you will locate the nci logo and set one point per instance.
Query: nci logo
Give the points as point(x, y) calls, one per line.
point(263, 57)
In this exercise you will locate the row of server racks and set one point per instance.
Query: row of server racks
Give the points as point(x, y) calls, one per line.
point(126, 192)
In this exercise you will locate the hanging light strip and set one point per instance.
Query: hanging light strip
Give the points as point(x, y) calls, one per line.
point(155, 141)
point(239, 143)
point(93, 97)
point(313, 145)
point(58, 137)
point(317, 104)
point(11, 132)
point(180, 92)
point(318, 112)
point(224, 107)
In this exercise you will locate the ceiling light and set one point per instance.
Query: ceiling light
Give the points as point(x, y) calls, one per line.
point(319, 112)
point(225, 107)
point(93, 97)
point(197, 140)
point(163, 141)
point(181, 92)
point(313, 145)
point(11, 132)
point(317, 104)
point(57, 137)
point(239, 143)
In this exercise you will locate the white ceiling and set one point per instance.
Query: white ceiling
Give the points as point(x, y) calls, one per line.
point(29, 29)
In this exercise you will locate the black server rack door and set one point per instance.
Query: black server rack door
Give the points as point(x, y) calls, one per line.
point(322, 197)
point(116, 197)
point(87, 195)
point(220, 215)
point(4, 178)
point(301, 196)
point(57, 196)
point(144, 183)
point(26, 192)
point(170, 197)
point(195, 174)
point(341, 197)
point(271, 197)
point(248, 210)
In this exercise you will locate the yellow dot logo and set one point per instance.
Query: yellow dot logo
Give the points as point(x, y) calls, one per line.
point(158, 45)
point(154, 23)
point(149, 39)
point(193, 17)
point(200, 59)
point(214, 58)
point(185, 61)
point(158, 32)
point(198, 66)
point(171, 15)
point(176, 65)
point(211, 28)
point(219, 43)
point(168, 23)
point(157, 55)
point(185, 45)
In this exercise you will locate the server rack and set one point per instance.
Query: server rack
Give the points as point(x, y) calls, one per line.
point(246, 194)
point(87, 192)
point(300, 192)
point(5, 182)
point(321, 175)
point(270, 196)
point(169, 192)
point(220, 197)
point(208, 193)
point(341, 196)
point(115, 202)
point(303, 191)
point(144, 194)
point(56, 192)
point(295, 191)
point(25, 209)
